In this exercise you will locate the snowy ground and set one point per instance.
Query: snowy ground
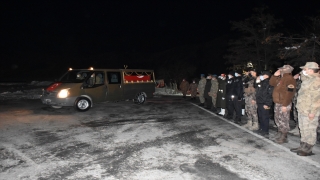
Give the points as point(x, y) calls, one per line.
point(166, 138)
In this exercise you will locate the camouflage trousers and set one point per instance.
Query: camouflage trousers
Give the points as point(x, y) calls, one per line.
point(201, 97)
point(308, 129)
point(251, 110)
point(282, 118)
point(214, 100)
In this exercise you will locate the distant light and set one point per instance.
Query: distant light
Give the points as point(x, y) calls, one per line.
point(70, 69)
point(91, 68)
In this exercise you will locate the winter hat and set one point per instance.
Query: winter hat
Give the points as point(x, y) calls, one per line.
point(286, 69)
point(239, 71)
point(311, 65)
point(231, 73)
point(202, 75)
point(252, 69)
point(266, 73)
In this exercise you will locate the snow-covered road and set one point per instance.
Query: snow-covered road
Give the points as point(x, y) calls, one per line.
point(166, 138)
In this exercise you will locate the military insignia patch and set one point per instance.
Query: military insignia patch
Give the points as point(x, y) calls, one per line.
point(290, 87)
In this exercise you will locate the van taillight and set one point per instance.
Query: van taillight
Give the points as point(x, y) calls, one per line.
point(53, 87)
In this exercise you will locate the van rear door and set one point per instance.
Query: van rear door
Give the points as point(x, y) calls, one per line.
point(114, 86)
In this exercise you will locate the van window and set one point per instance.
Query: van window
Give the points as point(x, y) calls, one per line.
point(114, 77)
point(75, 76)
point(99, 78)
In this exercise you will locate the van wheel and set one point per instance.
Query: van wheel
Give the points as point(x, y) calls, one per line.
point(82, 104)
point(140, 98)
point(56, 107)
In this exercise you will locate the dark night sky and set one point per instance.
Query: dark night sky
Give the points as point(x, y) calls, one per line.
point(49, 30)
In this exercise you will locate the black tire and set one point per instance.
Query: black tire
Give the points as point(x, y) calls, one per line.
point(82, 104)
point(140, 98)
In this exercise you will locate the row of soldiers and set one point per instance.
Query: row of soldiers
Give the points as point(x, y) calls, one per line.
point(246, 92)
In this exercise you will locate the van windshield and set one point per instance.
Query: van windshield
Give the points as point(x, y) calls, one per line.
point(76, 76)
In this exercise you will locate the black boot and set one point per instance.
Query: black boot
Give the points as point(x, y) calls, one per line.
point(228, 116)
point(214, 109)
point(237, 120)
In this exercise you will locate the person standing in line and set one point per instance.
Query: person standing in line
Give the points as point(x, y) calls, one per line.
point(221, 96)
point(250, 101)
point(234, 93)
point(308, 105)
point(201, 86)
point(318, 131)
point(239, 92)
point(207, 97)
point(284, 89)
point(184, 86)
point(213, 92)
point(193, 89)
point(296, 130)
point(245, 78)
point(264, 101)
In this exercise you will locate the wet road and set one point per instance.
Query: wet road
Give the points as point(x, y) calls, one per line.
point(166, 138)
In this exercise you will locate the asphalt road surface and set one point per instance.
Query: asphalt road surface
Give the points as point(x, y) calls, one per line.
point(166, 138)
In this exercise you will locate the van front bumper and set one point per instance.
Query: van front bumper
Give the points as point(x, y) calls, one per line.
point(52, 100)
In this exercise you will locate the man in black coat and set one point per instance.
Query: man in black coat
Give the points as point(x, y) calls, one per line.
point(264, 101)
point(208, 100)
point(234, 95)
point(221, 96)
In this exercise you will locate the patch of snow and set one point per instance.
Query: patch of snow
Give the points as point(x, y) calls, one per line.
point(41, 83)
point(168, 92)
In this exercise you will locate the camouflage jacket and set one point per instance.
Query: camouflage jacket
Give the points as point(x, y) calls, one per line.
point(294, 100)
point(249, 89)
point(308, 101)
point(202, 84)
point(214, 87)
point(284, 89)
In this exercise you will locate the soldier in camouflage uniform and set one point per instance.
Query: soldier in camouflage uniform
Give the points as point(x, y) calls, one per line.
point(245, 78)
point(308, 105)
point(201, 86)
point(318, 131)
point(250, 101)
point(296, 131)
point(283, 92)
point(213, 92)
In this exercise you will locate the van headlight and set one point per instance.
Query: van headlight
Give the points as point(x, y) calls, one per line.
point(63, 93)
